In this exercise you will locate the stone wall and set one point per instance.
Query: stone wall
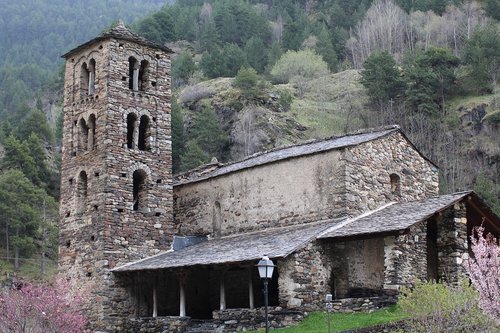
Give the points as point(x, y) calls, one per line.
point(99, 228)
point(237, 320)
point(304, 278)
point(358, 267)
point(405, 258)
point(370, 165)
point(298, 190)
point(452, 243)
point(155, 325)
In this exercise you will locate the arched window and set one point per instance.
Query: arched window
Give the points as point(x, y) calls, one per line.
point(91, 132)
point(217, 219)
point(133, 73)
point(84, 80)
point(143, 75)
point(91, 77)
point(140, 189)
point(131, 130)
point(395, 184)
point(82, 186)
point(143, 140)
point(83, 135)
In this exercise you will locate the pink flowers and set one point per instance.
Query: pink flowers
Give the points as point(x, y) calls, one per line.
point(44, 308)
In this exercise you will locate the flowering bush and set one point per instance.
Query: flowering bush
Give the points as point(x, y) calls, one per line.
point(30, 308)
point(484, 271)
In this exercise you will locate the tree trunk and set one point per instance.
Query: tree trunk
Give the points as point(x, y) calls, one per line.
point(16, 258)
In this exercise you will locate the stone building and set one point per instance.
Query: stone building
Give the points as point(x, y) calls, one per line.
point(358, 216)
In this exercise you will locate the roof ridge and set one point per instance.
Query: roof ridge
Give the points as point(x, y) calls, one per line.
point(354, 219)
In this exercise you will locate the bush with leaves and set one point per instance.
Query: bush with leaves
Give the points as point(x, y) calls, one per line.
point(484, 271)
point(439, 307)
point(42, 309)
point(305, 64)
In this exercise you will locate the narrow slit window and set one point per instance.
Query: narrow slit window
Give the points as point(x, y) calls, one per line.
point(91, 145)
point(84, 80)
point(84, 135)
point(139, 189)
point(91, 77)
point(82, 186)
point(131, 130)
point(143, 140)
point(143, 75)
point(133, 73)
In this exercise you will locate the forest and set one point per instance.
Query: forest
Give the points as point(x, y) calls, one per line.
point(412, 63)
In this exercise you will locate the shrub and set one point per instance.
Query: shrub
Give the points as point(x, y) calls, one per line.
point(41, 309)
point(438, 307)
point(193, 94)
point(305, 64)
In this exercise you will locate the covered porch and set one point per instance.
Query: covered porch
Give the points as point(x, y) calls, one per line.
point(204, 280)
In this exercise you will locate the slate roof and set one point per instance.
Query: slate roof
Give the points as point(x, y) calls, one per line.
point(308, 148)
point(393, 217)
point(119, 32)
point(275, 243)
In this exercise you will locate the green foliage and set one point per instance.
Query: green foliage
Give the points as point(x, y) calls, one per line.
point(18, 157)
point(247, 81)
point(177, 136)
point(204, 139)
point(234, 59)
point(183, 67)
point(36, 122)
point(212, 64)
point(158, 27)
point(438, 307)
point(20, 210)
point(256, 54)
point(488, 191)
point(325, 48)
point(482, 55)
point(381, 77)
point(430, 77)
point(193, 156)
point(304, 64)
point(285, 100)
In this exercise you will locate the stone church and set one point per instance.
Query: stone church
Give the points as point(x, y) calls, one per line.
point(358, 216)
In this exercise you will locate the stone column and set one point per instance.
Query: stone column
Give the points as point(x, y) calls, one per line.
point(155, 301)
point(135, 77)
point(182, 295)
point(250, 289)
point(222, 292)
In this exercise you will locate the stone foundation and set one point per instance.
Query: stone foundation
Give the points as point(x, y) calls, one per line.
point(154, 325)
point(236, 320)
point(364, 304)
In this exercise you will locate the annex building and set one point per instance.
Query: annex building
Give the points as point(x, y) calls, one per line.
point(358, 216)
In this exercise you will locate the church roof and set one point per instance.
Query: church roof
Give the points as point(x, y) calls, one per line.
point(122, 33)
point(393, 217)
point(275, 243)
point(308, 148)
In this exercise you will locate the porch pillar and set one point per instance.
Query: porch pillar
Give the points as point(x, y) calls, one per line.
point(182, 298)
point(222, 292)
point(250, 289)
point(155, 303)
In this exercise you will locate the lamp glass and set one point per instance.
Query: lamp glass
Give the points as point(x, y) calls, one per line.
point(266, 268)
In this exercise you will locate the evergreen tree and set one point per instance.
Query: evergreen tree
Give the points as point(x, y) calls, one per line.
point(324, 47)
point(256, 54)
point(212, 64)
point(381, 77)
point(36, 122)
point(17, 157)
point(183, 67)
point(193, 156)
point(234, 59)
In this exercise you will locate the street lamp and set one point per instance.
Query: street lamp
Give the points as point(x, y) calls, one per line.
point(266, 268)
point(329, 306)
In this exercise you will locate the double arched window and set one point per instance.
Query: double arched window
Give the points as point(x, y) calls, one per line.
point(86, 133)
point(138, 132)
point(138, 74)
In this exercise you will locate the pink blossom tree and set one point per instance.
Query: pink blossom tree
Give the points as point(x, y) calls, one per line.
point(41, 308)
point(484, 271)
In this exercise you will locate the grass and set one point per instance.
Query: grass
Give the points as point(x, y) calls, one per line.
point(28, 269)
point(317, 322)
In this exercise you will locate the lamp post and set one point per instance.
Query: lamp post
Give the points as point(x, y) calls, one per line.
point(329, 306)
point(266, 268)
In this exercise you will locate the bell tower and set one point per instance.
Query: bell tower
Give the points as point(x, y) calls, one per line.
point(116, 171)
